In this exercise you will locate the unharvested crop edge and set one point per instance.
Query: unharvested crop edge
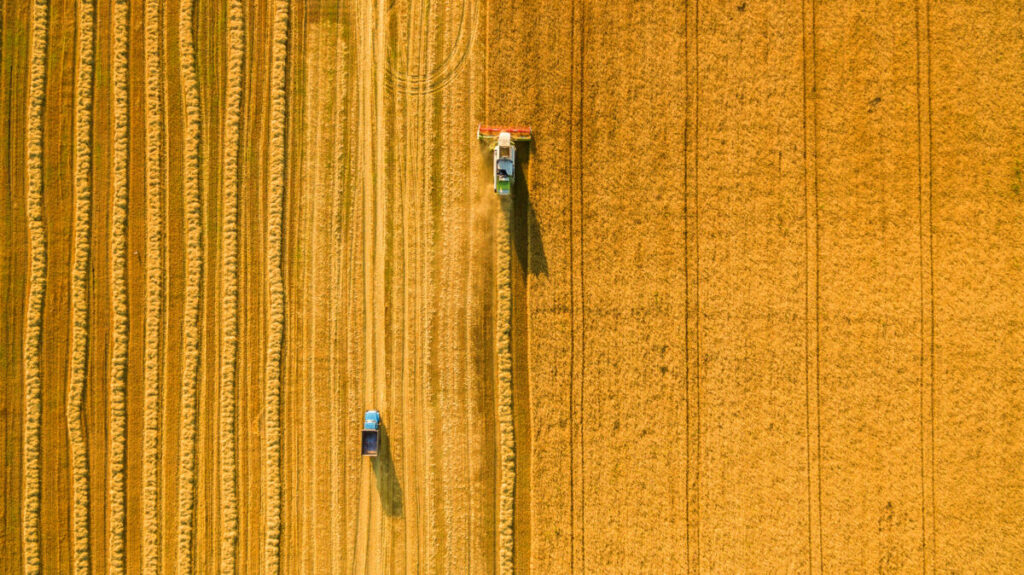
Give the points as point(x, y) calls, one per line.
point(191, 340)
point(31, 555)
point(151, 534)
point(119, 293)
point(229, 290)
point(503, 353)
point(275, 280)
point(77, 444)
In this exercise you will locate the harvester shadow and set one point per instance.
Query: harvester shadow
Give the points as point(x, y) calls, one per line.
point(527, 242)
point(388, 486)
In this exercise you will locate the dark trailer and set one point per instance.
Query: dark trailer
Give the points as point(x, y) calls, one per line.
point(371, 433)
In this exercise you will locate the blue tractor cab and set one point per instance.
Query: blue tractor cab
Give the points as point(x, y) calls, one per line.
point(371, 433)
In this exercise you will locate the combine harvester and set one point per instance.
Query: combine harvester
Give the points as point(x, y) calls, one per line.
point(503, 139)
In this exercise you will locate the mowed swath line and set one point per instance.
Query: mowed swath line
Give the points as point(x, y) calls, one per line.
point(116, 454)
point(227, 439)
point(80, 288)
point(31, 560)
point(229, 278)
point(503, 355)
point(275, 323)
point(191, 331)
point(154, 290)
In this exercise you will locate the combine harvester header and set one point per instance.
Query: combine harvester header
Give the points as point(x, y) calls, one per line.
point(503, 139)
point(517, 133)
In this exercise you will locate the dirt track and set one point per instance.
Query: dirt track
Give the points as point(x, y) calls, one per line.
point(754, 307)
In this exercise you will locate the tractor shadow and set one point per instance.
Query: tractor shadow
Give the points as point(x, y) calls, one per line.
point(527, 242)
point(388, 487)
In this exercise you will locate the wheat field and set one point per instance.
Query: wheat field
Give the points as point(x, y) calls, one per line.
point(752, 307)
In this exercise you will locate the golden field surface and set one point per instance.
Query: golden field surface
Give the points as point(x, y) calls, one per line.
point(754, 305)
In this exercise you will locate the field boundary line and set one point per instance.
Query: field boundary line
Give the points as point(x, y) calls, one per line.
point(118, 410)
point(191, 330)
point(692, 273)
point(31, 464)
point(154, 165)
point(577, 497)
point(81, 256)
point(275, 280)
point(812, 335)
point(927, 262)
point(227, 400)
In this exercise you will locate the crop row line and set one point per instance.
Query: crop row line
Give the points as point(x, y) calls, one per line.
point(152, 373)
point(275, 279)
point(227, 440)
point(31, 463)
point(77, 445)
point(193, 289)
point(118, 410)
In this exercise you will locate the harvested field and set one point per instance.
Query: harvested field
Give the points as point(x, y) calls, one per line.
point(752, 307)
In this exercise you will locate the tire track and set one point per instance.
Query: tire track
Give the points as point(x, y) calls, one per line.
point(411, 513)
point(378, 222)
point(449, 348)
point(303, 73)
point(355, 346)
point(452, 477)
point(193, 289)
point(275, 337)
point(455, 100)
point(32, 489)
point(116, 456)
point(434, 535)
point(313, 297)
point(468, 377)
point(309, 292)
point(422, 82)
point(366, 138)
point(151, 457)
point(379, 382)
point(341, 272)
point(77, 444)
point(413, 372)
point(227, 440)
